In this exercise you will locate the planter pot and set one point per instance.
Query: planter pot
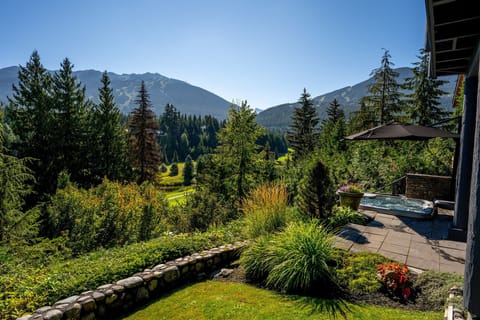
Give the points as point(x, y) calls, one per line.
point(350, 199)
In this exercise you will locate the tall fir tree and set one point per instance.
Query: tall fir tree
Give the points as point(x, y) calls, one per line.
point(143, 130)
point(15, 181)
point(71, 128)
point(385, 97)
point(108, 136)
point(188, 169)
point(333, 129)
point(303, 134)
point(31, 116)
point(237, 156)
point(334, 112)
point(423, 103)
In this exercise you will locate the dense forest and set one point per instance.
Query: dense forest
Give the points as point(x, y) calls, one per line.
point(77, 176)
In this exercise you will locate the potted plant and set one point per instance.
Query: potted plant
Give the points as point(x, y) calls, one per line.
point(350, 195)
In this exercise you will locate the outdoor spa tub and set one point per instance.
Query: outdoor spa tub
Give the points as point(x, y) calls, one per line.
point(398, 205)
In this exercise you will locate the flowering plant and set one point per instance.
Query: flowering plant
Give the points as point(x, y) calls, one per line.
point(350, 187)
point(395, 279)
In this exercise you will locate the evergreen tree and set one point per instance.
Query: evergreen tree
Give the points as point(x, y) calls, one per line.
point(144, 149)
point(71, 129)
point(173, 170)
point(384, 92)
point(188, 171)
point(109, 139)
point(303, 133)
point(316, 194)
point(31, 117)
point(362, 119)
point(15, 178)
point(333, 130)
point(334, 112)
point(423, 103)
point(237, 156)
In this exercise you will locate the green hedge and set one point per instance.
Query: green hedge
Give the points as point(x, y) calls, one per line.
point(29, 288)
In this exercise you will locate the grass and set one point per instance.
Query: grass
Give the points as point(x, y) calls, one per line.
point(178, 196)
point(229, 300)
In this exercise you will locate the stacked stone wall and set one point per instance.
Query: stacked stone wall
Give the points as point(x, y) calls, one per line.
point(112, 300)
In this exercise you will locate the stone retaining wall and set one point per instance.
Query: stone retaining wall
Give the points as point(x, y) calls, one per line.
point(428, 187)
point(111, 300)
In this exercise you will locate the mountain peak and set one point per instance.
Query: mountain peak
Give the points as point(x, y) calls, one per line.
point(186, 98)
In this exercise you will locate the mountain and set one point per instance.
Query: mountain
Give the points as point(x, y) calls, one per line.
point(278, 118)
point(186, 98)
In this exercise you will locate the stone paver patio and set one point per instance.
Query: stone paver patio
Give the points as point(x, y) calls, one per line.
point(418, 243)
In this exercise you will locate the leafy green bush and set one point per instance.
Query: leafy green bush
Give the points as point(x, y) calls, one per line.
point(357, 272)
point(266, 210)
point(343, 215)
point(435, 286)
point(173, 170)
point(107, 215)
point(296, 260)
point(30, 286)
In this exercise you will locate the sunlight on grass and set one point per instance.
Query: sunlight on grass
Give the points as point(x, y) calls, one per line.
point(226, 300)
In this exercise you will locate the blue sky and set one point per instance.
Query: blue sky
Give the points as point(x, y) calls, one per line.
point(262, 51)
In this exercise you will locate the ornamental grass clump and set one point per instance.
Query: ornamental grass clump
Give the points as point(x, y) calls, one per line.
point(266, 210)
point(296, 260)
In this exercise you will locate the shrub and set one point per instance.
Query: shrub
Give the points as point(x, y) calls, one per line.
point(107, 215)
point(265, 210)
point(395, 279)
point(33, 286)
point(356, 272)
point(343, 215)
point(173, 170)
point(296, 260)
point(435, 286)
point(163, 168)
point(316, 192)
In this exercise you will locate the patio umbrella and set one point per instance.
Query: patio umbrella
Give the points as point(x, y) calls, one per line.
point(401, 131)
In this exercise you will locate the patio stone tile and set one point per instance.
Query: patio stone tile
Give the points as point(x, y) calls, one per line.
point(392, 255)
point(454, 267)
point(363, 247)
point(398, 238)
point(395, 248)
point(424, 251)
point(419, 239)
point(451, 254)
point(451, 244)
point(346, 245)
point(355, 227)
point(422, 263)
point(377, 230)
point(372, 237)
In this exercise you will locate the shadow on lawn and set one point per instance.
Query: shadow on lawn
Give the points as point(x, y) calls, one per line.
point(334, 307)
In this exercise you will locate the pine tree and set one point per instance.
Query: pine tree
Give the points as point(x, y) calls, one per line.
point(143, 128)
point(188, 171)
point(108, 136)
point(423, 103)
point(31, 117)
point(71, 123)
point(384, 92)
point(303, 133)
point(237, 156)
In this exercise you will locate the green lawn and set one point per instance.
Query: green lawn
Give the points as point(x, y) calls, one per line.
point(228, 300)
point(178, 196)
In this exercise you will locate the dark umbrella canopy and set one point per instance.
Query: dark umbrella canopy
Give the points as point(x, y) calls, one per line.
point(401, 131)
